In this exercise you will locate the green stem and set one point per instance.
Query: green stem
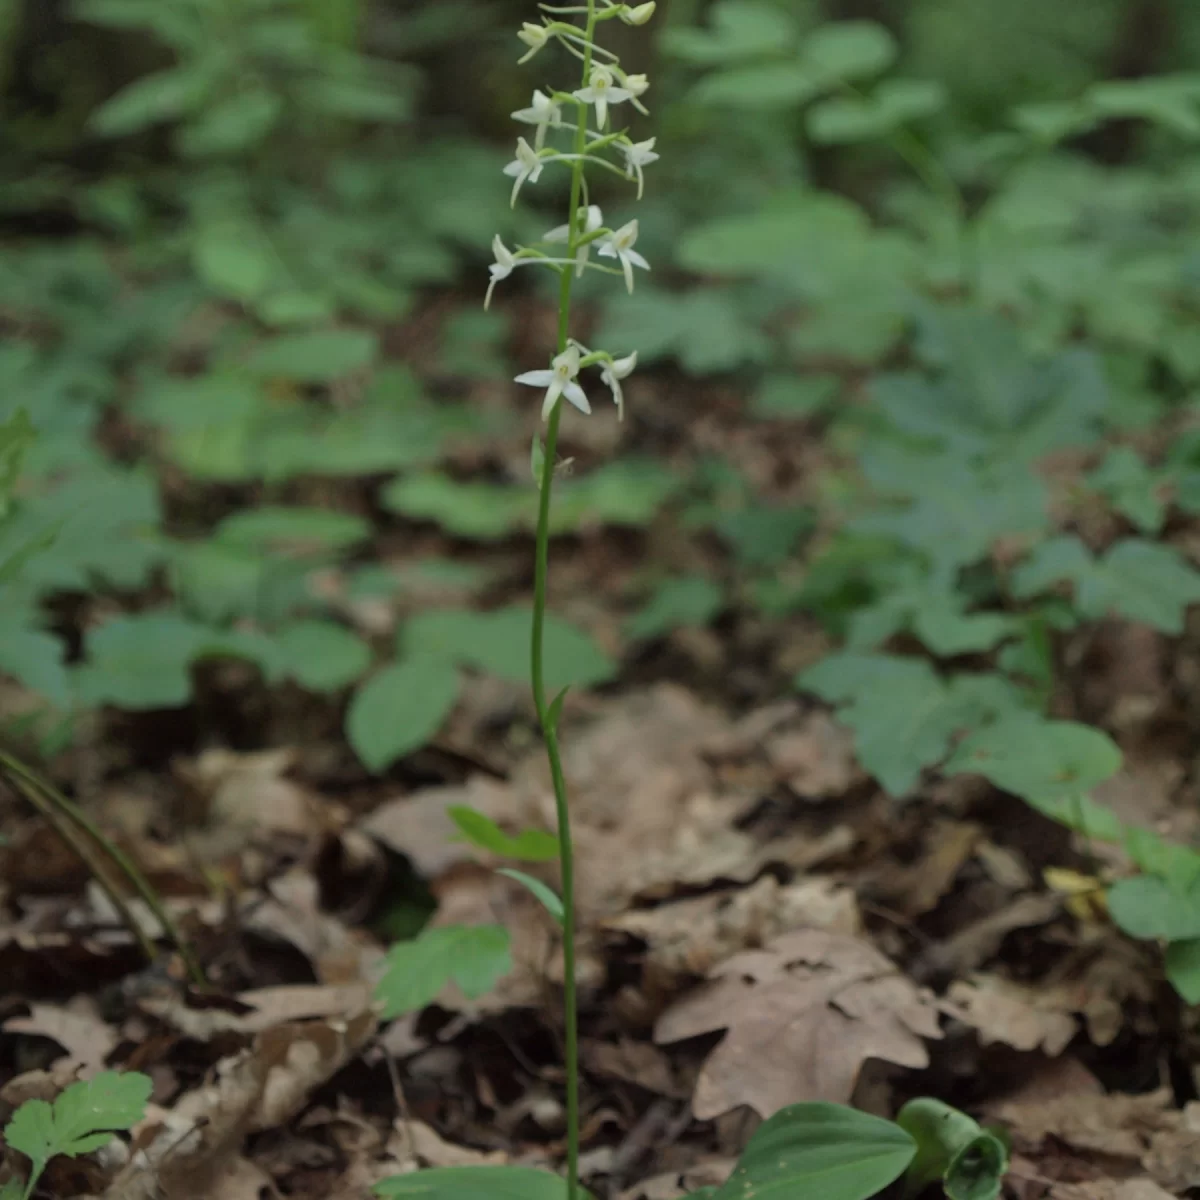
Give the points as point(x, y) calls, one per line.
point(566, 851)
point(42, 795)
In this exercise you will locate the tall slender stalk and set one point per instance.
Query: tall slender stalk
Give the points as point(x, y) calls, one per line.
point(547, 720)
point(603, 86)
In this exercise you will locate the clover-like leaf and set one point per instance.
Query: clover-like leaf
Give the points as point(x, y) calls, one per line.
point(473, 956)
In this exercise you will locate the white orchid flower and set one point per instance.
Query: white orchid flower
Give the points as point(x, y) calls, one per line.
point(619, 245)
point(612, 373)
point(534, 36)
point(591, 220)
point(602, 90)
point(559, 381)
point(637, 156)
point(502, 268)
point(542, 113)
point(528, 164)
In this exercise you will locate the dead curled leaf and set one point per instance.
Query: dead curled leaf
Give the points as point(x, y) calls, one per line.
point(1022, 1017)
point(1143, 1130)
point(802, 1017)
point(186, 1153)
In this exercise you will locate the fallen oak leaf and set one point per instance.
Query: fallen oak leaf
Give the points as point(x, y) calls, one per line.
point(802, 1016)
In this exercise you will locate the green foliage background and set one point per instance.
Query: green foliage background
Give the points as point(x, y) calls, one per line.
point(944, 240)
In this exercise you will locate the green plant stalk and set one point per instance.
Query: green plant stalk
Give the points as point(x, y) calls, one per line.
point(30, 782)
point(63, 826)
point(566, 851)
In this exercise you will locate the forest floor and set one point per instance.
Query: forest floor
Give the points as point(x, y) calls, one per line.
point(760, 924)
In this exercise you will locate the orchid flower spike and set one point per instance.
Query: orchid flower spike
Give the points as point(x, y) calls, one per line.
point(542, 113)
point(559, 381)
point(590, 220)
point(602, 90)
point(637, 156)
point(527, 164)
point(619, 245)
point(613, 373)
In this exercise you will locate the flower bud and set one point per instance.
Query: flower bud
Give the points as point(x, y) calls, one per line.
point(639, 14)
point(639, 85)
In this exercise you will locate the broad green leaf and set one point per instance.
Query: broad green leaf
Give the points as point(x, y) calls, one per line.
point(35, 660)
point(706, 330)
point(477, 1183)
point(691, 600)
point(498, 642)
point(1149, 907)
point(141, 662)
point(550, 900)
point(844, 51)
point(473, 956)
point(1138, 579)
point(316, 357)
point(1172, 101)
point(944, 508)
point(903, 715)
point(234, 258)
point(1182, 962)
point(1131, 487)
point(895, 102)
point(112, 1100)
point(153, 99)
point(1037, 759)
point(297, 529)
point(322, 655)
point(401, 708)
point(763, 86)
point(741, 29)
point(819, 1150)
point(532, 845)
point(236, 123)
point(764, 535)
point(794, 397)
point(82, 1118)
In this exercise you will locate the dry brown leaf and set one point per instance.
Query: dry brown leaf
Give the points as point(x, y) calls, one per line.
point(1026, 1018)
point(1117, 1126)
point(802, 1015)
point(186, 1153)
point(816, 758)
point(292, 913)
point(634, 1062)
point(649, 815)
point(259, 1009)
point(1174, 1155)
point(78, 1028)
point(915, 888)
point(687, 938)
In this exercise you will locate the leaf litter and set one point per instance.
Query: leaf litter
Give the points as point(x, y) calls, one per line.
point(758, 926)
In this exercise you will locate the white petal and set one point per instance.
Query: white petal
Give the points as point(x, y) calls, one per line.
point(514, 168)
point(560, 233)
point(634, 257)
point(577, 397)
point(536, 378)
point(607, 250)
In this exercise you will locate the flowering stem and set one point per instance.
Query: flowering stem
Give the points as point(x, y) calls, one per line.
point(547, 718)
